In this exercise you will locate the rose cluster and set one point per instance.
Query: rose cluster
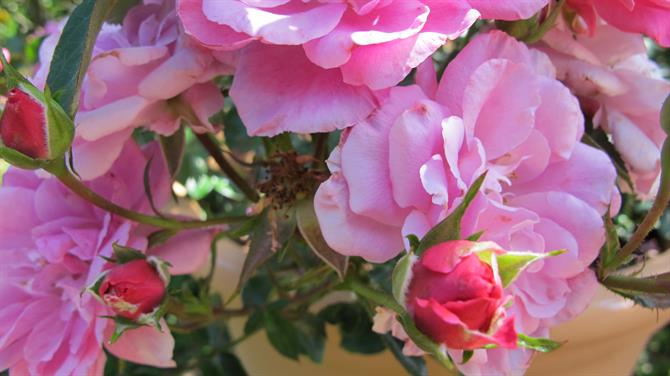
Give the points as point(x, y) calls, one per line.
point(411, 147)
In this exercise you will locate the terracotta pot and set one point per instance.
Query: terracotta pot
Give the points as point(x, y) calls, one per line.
point(606, 340)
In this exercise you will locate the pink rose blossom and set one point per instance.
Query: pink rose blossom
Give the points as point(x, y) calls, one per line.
point(144, 73)
point(51, 248)
point(649, 17)
point(498, 108)
point(611, 73)
point(327, 55)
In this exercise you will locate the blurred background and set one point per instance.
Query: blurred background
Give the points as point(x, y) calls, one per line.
point(22, 28)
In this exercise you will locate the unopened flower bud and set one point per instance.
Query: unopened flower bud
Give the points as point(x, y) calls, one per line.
point(23, 126)
point(132, 289)
point(34, 128)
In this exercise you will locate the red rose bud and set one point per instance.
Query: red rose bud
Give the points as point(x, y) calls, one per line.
point(34, 128)
point(132, 289)
point(23, 125)
point(456, 298)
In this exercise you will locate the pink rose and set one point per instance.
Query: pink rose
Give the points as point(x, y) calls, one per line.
point(132, 289)
point(51, 249)
point(624, 90)
point(498, 108)
point(457, 299)
point(650, 17)
point(329, 52)
point(143, 73)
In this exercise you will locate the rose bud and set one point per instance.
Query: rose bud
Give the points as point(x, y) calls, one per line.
point(34, 128)
point(456, 296)
point(132, 289)
point(23, 125)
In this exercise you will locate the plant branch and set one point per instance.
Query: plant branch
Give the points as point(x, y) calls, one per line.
point(60, 171)
point(657, 209)
point(215, 151)
point(650, 285)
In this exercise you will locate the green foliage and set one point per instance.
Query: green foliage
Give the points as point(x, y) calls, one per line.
point(73, 52)
point(355, 328)
point(655, 360)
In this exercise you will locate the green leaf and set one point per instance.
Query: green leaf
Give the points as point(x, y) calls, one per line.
point(282, 334)
point(402, 276)
point(476, 236)
point(256, 291)
point(646, 299)
point(311, 232)
point(230, 365)
point(73, 52)
point(160, 237)
point(124, 255)
point(355, 328)
point(254, 322)
point(450, 227)
point(414, 365)
point(467, 355)
point(511, 264)
point(312, 337)
point(269, 237)
point(543, 345)
point(147, 187)
point(609, 249)
point(173, 149)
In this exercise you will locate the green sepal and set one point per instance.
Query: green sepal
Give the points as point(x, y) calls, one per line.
point(94, 287)
point(124, 255)
point(60, 128)
point(467, 355)
point(450, 227)
point(121, 326)
point(511, 264)
point(543, 345)
point(18, 159)
point(402, 276)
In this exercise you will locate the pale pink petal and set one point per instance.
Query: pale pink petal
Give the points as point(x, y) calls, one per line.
point(207, 32)
point(499, 107)
point(398, 20)
point(184, 69)
point(588, 175)
point(352, 234)
point(145, 345)
point(110, 119)
point(292, 24)
point(92, 159)
point(365, 160)
point(414, 138)
point(508, 10)
point(261, 92)
point(187, 252)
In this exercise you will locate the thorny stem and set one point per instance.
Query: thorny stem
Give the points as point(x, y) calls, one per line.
point(215, 151)
point(650, 285)
point(657, 209)
point(60, 171)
